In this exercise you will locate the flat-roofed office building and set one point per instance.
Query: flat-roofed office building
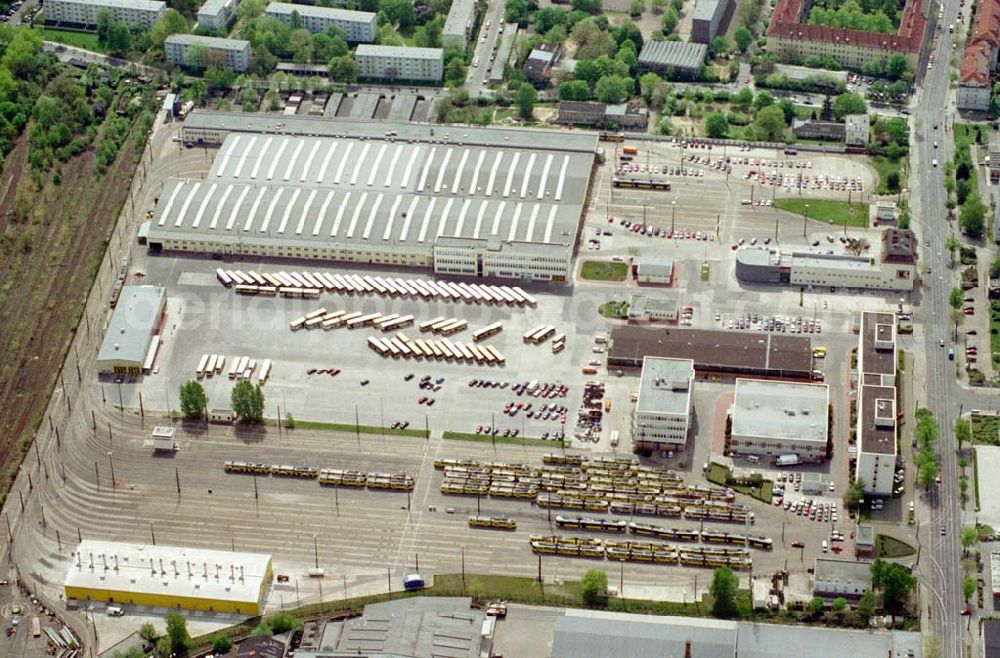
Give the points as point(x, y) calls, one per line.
point(876, 403)
point(772, 418)
point(662, 415)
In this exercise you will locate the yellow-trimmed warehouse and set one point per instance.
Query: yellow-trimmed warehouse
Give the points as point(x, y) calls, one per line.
point(169, 577)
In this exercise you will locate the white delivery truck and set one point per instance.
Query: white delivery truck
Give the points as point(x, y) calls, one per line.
point(787, 460)
point(163, 439)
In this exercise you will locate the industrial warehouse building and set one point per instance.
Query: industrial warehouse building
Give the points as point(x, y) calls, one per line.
point(662, 414)
point(355, 26)
point(778, 418)
point(132, 338)
point(233, 54)
point(876, 403)
point(458, 200)
point(894, 269)
point(83, 13)
point(847, 578)
point(715, 352)
point(169, 577)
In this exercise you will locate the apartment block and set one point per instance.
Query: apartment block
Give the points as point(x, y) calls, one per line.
point(356, 26)
point(400, 63)
point(233, 54)
point(134, 13)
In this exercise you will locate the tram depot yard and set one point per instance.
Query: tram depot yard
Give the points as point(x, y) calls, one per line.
point(399, 339)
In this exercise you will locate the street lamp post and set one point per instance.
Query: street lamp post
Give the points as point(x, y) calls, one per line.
point(673, 213)
point(805, 220)
point(111, 461)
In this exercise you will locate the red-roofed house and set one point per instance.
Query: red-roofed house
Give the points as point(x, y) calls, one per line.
point(791, 37)
point(980, 58)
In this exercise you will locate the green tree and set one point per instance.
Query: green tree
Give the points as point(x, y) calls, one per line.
point(723, 590)
point(742, 99)
point(788, 109)
point(193, 400)
point(720, 45)
point(968, 537)
point(221, 645)
point(854, 494)
point(896, 66)
point(171, 22)
point(963, 432)
point(770, 123)
point(251, 8)
point(762, 100)
point(669, 21)
point(968, 588)
point(516, 11)
point(816, 606)
point(177, 632)
point(963, 486)
point(589, 6)
point(613, 89)
point(716, 125)
point(849, 104)
point(995, 268)
point(955, 298)
point(104, 20)
point(248, 402)
point(594, 587)
point(574, 90)
point(973, 216)
point(628, 31)
point(636, 7)
point(148, 632)
point(866, 604)
point(895, 581)
point(284, 622)
point(119, 38)
point(839, 604)
point(648, 83)
point(525, 98)
point(927, 468)
point(343, 69)
point(743, 38)
point(263, 629)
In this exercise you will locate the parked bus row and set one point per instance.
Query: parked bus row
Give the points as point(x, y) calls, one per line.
point(497, 522)
point(320, 318)
point(539, 334)
point(291, 292)
point(209, 365)
point(326, 476)
point(444, 326)
point(640, 552)
point(558, 343)
point(354, 284)
point(683, 534)
point(400, 346)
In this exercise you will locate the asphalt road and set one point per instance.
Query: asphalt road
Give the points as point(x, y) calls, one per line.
point(483, 49)
point(941, 567)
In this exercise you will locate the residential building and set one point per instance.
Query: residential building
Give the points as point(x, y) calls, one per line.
point(457, 30)
point(653, 270)
point(858, 129)
point(233, 54)
point(771, 418)
point(791, 37)
point(356, 26)
point(400, 63)
point(715, 352)
point(482, 202)
point(132, 339)
point(894, 269)
point(710, 18)
point(979, 61)
point(876, 431)
point(818, 129)
point(538, 65)
point(625, 116)
point(652, 308)
point(168, 577)
point(661, 417)
point(673, 59)
point(83, 13)
point(841, 578)
point(217, 14)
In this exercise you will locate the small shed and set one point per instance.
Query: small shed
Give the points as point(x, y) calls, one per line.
point(222, 416)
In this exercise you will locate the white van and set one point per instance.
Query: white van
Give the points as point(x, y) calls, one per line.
point(934, 162)
point(115, 611)
point(826, 547)
point(753, 459)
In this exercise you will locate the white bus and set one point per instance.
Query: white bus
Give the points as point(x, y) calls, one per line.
point(504, 294)
point(543, 334)
point(310, 293)
point(407, 352)
point(220, 363)
point(497, 356)
point(425, 348)
point(240, 277)
point(559, 338)
point(200, 370)
point(558, 347)
point(398, 323)
point(313, 281)
point(528, 299)
point(364, 285)
point(312, 323)
point(428, 325)
point(297, 324)
point(296, 279)
point(265, 372)
point(283, 280)
point(513, 295)
point(242, 366)
point(258, 279)
point(377, 284)
point(477, 353)
point(453, 327)
point(243, 289)
point(386, 318)
point(224, 278)
point(272, 280)
point(315, 314)
point(234, 363)
point(362, 320)
point(466, 352)
point(441, 324)
point(394, 351)
point(377, 345)
point(529, 335)
point(487, 355)
point(210, 366)
point(486, 332)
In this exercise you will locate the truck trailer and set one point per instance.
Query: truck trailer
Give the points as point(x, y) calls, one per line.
point(163, 439)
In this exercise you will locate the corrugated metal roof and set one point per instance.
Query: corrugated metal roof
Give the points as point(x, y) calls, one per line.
point(673, 53)
point(131, 326)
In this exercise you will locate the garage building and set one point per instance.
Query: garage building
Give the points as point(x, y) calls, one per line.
point(773, 418)
point(715, 352)
point(132, 338)
point(169, 577)
point(467, 201)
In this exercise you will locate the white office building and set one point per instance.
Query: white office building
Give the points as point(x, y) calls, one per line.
point(356, 26)
point(662, 415)
point(400, 63)
point(876, 403)
point(217, 14)
point(233, 54)
point(482, 202)
point(458, 26)
point(134, 13)
point(771, 418)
